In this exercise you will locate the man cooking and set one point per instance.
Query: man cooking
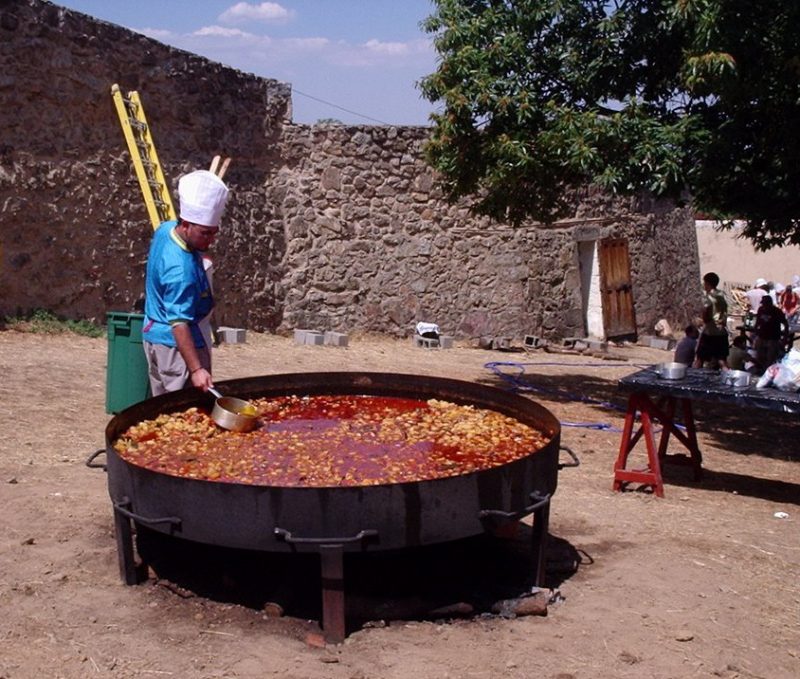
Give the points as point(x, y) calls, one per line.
point(177, 292)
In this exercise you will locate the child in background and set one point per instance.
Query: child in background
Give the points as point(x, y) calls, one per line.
point(684, 352)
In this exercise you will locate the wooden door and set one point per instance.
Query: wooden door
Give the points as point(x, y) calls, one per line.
point(616, 291)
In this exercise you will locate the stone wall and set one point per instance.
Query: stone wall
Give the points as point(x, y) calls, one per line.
point(329, 227)
point(74, 227)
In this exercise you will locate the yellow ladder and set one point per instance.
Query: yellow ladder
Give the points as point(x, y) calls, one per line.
point(144, 156)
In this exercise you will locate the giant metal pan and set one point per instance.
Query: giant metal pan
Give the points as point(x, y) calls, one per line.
point(394, 515)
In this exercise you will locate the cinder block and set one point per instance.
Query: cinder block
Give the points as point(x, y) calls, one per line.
point(501, 343)
point(569, 342)
point(662, 343)
point(445, 342)
point(232, 335)
point(300, 336)
point(314, 337)
point(336, 339)
point(597, 345)
point(534, 342)
point(425, 342)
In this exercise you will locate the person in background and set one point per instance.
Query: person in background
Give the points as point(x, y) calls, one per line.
point(771, 333)
point(773, 290)
point(789, 302)
point(712, 347)
point(738, 358)
point(754, 295)
point(685, 351)
point(177, 291)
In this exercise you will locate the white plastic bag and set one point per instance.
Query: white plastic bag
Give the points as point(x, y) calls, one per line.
point(784, 375)
point(788, 377)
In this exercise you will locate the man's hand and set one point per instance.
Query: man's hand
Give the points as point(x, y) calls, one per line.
point(202, 379)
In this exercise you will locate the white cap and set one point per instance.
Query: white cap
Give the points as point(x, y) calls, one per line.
point(795, 280)
point(202, 197)
point(760, 282)
point(779, 287)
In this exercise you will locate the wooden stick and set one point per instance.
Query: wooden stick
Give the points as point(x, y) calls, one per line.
point(224, 168)
point(214, 164)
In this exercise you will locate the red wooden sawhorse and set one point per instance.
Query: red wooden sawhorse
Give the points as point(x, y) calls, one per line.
point(661, 410)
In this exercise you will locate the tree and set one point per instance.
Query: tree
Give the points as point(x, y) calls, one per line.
point(676, 97)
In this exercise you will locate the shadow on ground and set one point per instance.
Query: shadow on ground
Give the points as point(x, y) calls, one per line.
point(463, 578)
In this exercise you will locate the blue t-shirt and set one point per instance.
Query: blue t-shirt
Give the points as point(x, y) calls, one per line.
point(176, 288)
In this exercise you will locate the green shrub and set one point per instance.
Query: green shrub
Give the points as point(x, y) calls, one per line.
point(45, 322)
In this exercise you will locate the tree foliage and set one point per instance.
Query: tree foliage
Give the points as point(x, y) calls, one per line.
point(539, 97)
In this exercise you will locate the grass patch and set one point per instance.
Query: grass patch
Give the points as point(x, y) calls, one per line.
point(45, 322)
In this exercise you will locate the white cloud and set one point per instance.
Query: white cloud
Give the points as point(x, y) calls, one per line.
point(395, 48)
point(268, 12)
point(156, 33)
point(222, 32)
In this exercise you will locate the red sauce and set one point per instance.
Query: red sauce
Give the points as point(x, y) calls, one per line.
point(325, 441)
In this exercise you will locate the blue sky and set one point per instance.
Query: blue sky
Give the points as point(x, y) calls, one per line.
point(364, 56)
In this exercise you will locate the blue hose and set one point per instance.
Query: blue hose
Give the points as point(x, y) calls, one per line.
point(518, 385)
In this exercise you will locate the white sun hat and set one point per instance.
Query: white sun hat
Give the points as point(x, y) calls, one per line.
point(202, 198)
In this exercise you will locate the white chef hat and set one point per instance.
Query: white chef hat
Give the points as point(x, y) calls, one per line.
point(760, 282)
point(202, 197)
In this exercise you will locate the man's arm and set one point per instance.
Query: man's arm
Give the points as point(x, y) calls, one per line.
point(199, 376)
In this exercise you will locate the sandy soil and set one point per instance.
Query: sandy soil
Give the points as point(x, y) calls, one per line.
point(701, 583)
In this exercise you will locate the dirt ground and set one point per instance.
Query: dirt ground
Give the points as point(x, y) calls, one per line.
point(701, 583)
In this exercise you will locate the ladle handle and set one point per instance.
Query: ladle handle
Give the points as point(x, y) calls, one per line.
point(215, 392)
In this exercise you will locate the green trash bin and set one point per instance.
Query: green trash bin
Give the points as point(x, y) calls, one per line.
point(126, 375)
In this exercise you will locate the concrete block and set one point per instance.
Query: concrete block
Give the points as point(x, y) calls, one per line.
point(425, 342)
point(662, 343)
point(231, 335)
point(314, 337)
point(597, 345)
point(569, 342)
point(335, 339)
point(300, 335)
point(445, 342)
point(534, 342)
point(501, 343)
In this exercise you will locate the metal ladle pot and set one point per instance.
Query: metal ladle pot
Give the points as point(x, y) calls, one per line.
point(232, 413)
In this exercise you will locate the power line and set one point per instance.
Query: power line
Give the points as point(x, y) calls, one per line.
point(341, 108)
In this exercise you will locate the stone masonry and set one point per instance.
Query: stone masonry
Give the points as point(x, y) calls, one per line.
point(331, 227)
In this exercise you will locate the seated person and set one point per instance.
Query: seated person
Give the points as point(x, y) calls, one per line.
point(684, 352)
point(738, 358)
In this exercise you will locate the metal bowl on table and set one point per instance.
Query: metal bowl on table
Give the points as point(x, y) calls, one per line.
point(735, 378)
point(671, 371)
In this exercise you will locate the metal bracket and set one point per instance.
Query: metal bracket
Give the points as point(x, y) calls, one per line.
point(575, 461)
point(285, 535)
point(90, 461)
point(122, 508)
point(539, 501)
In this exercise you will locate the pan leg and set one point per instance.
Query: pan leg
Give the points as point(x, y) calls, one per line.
point(539, 535)
point(123, 530)
point(333, 619)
